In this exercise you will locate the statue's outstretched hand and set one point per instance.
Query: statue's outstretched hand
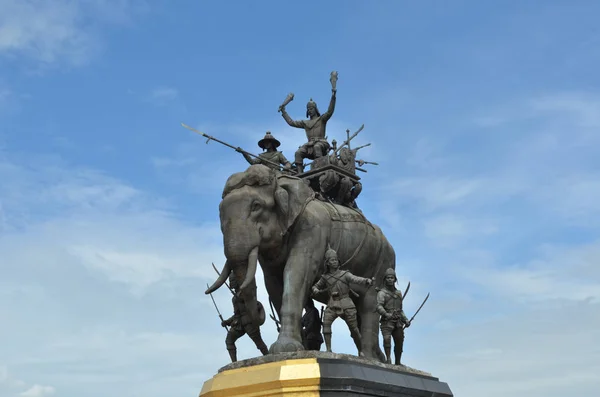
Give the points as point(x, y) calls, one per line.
point(407, 324)
point(224, 324)
point(239, 149)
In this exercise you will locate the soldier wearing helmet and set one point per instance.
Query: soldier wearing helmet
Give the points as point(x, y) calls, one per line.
point(241, 323)
point(315, 127)
point(336, 283)
point(269, 145)
point(393, 320)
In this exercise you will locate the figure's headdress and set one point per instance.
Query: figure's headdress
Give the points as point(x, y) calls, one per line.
point(312, 104)
point(330, 253)
point(268, 138)
point(390, 272)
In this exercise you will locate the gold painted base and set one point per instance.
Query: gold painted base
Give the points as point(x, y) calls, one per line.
point(289, 378)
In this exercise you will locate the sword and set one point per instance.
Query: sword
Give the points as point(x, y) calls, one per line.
point(215, 303)
point(419, 309)
point(405, 291)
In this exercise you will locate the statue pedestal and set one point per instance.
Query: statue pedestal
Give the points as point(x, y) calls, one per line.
point(324, 374)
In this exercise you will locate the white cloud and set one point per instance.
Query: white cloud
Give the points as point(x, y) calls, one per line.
point(163, 94)
point(60, 31)
point(38, 391)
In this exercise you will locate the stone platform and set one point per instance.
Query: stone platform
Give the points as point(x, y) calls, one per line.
point(312, 374)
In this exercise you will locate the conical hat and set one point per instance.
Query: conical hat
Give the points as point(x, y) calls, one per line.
point(268, 137)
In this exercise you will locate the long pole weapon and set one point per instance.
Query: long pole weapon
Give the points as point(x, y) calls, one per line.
point(237, 149)
point(272, 315)
point(215, 303)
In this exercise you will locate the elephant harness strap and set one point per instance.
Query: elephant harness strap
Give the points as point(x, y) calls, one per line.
point(352, 216)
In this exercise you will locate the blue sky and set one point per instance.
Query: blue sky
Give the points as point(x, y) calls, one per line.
point(484, 120)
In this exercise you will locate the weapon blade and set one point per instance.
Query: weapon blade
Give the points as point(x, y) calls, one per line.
point(406, 290)
point(419, 309)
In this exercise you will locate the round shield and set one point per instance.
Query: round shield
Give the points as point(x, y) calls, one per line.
point(261, 314)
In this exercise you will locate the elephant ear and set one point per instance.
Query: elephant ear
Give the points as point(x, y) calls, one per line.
point(291, 197)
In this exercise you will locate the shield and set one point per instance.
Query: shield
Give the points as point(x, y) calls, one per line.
point(261, 314)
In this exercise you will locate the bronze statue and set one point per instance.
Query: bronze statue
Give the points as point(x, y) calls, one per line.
point(275, 217)
point(337, 284)
point(315, 127)
point(311, 327)
point(273, 157)
point(241, 323)
point(393, 320)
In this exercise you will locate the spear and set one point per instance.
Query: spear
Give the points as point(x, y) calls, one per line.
point(347, 141)
point(215, 303)
point(237, 149)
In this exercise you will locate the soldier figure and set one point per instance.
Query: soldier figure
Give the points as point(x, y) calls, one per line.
point(393, 320)
point(242, 324)
point(311, 327)
point(270, 145)
point(337, 283)
point(315, 127)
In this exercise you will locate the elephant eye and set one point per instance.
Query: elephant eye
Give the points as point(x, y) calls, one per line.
point(255, 206)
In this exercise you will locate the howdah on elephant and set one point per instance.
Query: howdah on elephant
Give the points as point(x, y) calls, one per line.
point(274, 219)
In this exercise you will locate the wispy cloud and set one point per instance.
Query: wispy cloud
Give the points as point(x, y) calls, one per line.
point(163, 95)
point(61, 32)
point(38, 391)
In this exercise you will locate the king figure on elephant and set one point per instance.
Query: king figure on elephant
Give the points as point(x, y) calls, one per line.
point(315, 127)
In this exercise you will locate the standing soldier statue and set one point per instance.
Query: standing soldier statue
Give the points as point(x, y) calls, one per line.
point(393, 320)
point(311, 327)
point(315, 127)
point(273, 157)
point(337, 283)
point(241, 323)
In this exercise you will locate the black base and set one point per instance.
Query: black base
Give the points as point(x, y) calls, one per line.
point(349, 378)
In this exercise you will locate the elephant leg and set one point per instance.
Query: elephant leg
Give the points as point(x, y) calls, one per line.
point(299, 274)
point(370, 326)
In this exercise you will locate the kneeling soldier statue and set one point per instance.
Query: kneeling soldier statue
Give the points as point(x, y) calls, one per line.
point(393, 320)
point(241, 323)
point(337, 283)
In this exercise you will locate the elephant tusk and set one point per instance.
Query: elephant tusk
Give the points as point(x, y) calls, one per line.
point(221, 280)
point(251, 269)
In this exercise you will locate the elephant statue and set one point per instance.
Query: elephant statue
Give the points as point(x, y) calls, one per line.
point(274, 219)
